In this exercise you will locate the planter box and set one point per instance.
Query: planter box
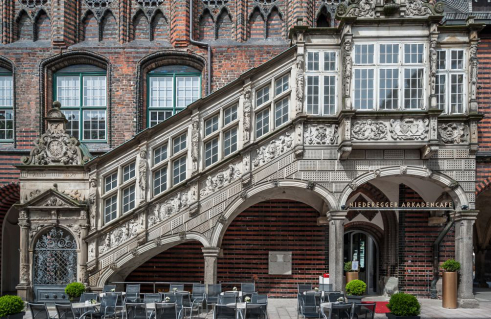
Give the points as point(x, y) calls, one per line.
point(19, 315)
point(392, 316)
point(449, 290)
point(351, 275)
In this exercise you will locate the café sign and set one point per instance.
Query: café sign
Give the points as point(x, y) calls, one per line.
point(400, 206)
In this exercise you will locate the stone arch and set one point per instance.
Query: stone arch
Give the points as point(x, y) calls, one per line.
point(141, 26)
point(323, 17)
point(274, 24)
point(442, 180)
point(90, 27)
point(25, 26)
point(315, 196)
point(373, 230)
point(224, 25)
point(124, 265)
point(206, 26)
point(42, 26)
point(256, 25)
point(159, 27)
point(109, 27)
point(155, 60)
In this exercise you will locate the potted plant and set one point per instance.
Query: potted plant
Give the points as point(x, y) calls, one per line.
point(74, 291)
point(350, 273)
point(11, 307)
point(403, 306)
point(449, 289)
point(355, 290)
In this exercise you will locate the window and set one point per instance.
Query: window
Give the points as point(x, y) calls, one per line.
point(82, 92)
point(128, 172)
point(160, 181)
point(170, 89)
point(313, 61)
point(179, 167)
point(394, 80)
point(230, 141)
point(111, 182)
point(211, 152)
point(282, 84)
point(160, 154)
point(128, 199)
point(110, 208)
point(281, 112)
point(211, 125)
point(450, 79)
point(6, 106)
point(262, 95)
point(321, 85)
point(180, 143)
point(262, 122)
point(229, 115)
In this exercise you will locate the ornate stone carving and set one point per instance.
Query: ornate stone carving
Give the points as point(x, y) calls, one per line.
point(243, 195)
point(91, 250)
point(453, 133)
point(161, 211)
point(247, 115)
point(353, 186)
point(74, 194)
point(310, 185)
point(348, 68)
point(122, 234)
point(54, 201)
point(369, 130)
point(300, 83)
point(275, 148)
point(403, 170)
point(357, 8)
point(25, 274)
point(321, 134)
point(433, 67)
point(93, 202)
point(32, 194)
point(377, 173)
point(195, 144)
point(409, 129)
point(422, 8)
point(55, 146)
point(221, 179)
point(246, 162)
point(134, 252)
point(473, 62)
point(142, 174)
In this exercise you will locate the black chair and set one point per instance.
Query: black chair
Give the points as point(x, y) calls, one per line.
point(259, 299)
point(213, 294)
point(132, 293)
point(225, 312)
point(325, 287)
point(308, 306)
point(109, 288)
point(341, 311)
point(334, 296)
point(256, 311)
point(107, 308)
point(88, 296)
point(39, 311)
point(152, 298)
point(363, 310)
point(136, 311)
point(166, 311)
point(304, 287)
point(176, 287)
point(65, 311)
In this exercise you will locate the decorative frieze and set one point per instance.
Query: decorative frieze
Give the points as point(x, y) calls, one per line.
point(161, 211)
point(122, 234)
point(321, 134)
point(367, 130)
point(453, 133)
point(275, 148)
point(357, 8)
point(409, 129)
point(419, 8)
point(221, 179)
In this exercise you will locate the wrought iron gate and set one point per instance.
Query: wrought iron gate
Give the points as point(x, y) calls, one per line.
point(55, 258)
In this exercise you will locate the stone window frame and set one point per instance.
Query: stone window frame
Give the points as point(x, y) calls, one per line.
point(447, 72)
point(401, 66)
point(321, 73)
point(5, 108)
point(210, 137)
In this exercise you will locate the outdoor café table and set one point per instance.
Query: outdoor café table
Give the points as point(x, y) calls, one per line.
point(239, 292)
point(82, 305)
point(338, 313)
point(103, 294)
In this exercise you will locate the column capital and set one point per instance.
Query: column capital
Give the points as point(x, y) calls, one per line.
point(464, 215)
point(336, 215)
point(210, 251)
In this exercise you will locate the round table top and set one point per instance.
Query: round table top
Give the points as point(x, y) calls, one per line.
point(78, 305)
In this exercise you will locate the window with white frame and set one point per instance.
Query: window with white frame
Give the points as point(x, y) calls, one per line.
point(128, 198)
point(110, 208)
point(211, 152)
point(179, 170)
point(281, 112)
point(6, 106)
point(160, 180)
point(262, 95)
point(282, 84)
point(389, 76)
point(229, 115)
point(128, 172)
point(262, 122)
point(230, 141)
point(110, 182)
point(160, 154)
point(321, 80)
point(179, 143)
point(211, 125)
point(450, 81)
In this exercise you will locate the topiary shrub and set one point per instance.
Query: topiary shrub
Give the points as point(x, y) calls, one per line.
point(10, 305)
point(450, 265)
point(74, 290)
point(404, 305)
point(356, 288)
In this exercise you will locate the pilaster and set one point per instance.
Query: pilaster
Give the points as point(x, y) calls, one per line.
point(336, 247)
point(211, 260)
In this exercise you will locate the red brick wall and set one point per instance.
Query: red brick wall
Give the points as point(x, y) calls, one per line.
point(278, 225)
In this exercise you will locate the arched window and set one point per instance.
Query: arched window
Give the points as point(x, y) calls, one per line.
point(82, 92)
point(6, 106)
point(170, 89)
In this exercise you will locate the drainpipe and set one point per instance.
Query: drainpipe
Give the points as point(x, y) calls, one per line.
point(200, 44)
point(436, 256)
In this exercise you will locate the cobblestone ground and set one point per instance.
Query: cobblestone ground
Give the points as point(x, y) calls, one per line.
point(430, 309)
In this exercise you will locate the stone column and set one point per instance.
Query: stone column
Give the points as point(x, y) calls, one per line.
point(211, 261)
point(336, 247)
point(84, 278)
point(464, 226)
point(24, 287)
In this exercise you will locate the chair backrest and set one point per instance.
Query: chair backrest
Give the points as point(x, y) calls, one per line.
point(304, 287)
point(88, 296)
point(341, 310)
point(199, 290)
point(259, 299)
point(179, 287)
point(185, 298)
point(214, 290)
point(108, 303)
point(152, 298)
point(39, 311)
point(109, 288)
point(136, 311)
point(133, 288)
point(65, 311)
point(255, 311)
point(166, 311)
point(334, 296)
point(325, 287)
point(170, 295)
point(228, 298)
point(248, 287)
point(309, 303)
point(367, 310)
point(225, 312)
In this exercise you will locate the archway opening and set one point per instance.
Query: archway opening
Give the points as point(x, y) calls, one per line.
point(10, 252)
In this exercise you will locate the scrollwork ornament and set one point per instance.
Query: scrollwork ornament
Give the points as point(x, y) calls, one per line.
point(418, 8)
point(275, 148)
point(369, 130)
point(357, 8)
point(221, 179)
point(321, 134)
point(409, 129)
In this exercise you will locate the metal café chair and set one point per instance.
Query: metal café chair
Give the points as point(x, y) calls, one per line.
point(224, 312)
point(199, 293)
point(39, 311)
point(88, 296)
point(65, 311)
point(166, 311)
point(170, 295)
point(255, 311)
point(248, 287)
point(213, 294)
point(308, 306)
point(136, 311)
point(259, 299)
point(227, 298)
point(107, 308)
point(152, 298)
point(340, 311)
point(334, 296)
point(184, 297)
point(363, 310)
point(132, 293)
point(109, 288)
point(176, 287)
point(304, 287)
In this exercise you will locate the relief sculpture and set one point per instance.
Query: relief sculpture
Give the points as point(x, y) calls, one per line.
point(453, 133)
point(223, 178)
point(169, 207)
point(275, 148)
point(367, 130)
point(321, 134)
point(409, 129)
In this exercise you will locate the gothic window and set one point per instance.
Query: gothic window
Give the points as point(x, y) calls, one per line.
point(321, 79)
point(170, 89)
point(450, 81)
point(6, 106)
point(150, 3)
point(81, 90)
